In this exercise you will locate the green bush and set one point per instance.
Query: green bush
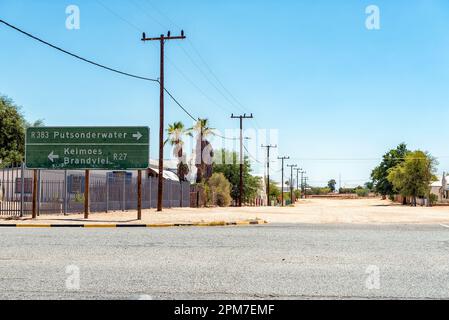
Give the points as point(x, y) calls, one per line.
point(433, 199)
point(218, 190)
point(362, 192)
point(79, 198)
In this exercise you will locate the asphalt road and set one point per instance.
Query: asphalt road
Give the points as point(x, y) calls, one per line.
point(270, 262)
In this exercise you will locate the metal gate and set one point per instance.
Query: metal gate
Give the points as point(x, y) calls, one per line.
point(13, 202)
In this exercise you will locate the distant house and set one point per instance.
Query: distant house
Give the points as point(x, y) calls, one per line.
point(440, 188)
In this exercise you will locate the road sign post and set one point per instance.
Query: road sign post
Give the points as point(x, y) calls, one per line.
point(139, 195)
point(34, 200)
point(86, 194)
point(87, 148)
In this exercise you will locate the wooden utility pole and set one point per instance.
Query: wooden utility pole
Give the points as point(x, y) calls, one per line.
point(291, 166)
point(268, 170)
point(282, 180)
point(298, 170)
point(305, 187)
point(162, 40)
point(244, 116)
point(302, 184)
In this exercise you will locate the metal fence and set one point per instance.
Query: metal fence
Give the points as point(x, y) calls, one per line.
point(62, 192)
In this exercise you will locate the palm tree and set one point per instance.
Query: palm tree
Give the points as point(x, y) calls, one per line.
point(176, 131)
point(202, 130)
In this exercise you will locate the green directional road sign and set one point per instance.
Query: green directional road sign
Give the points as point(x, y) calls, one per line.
point(108, 148)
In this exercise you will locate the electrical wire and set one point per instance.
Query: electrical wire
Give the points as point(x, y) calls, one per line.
point(235, 103)
point(119, 16)
point(77, 56)
point(98, 65)
point(227, 138)
point(180, 105)
point(250, 155)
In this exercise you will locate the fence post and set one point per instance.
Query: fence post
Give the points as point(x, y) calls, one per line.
point(22, 188)
point(124, 190)
point(139, 195)
point(107, 193)
point(39, 192)
point(65, 193)
point(34, 214)
point(86, 195)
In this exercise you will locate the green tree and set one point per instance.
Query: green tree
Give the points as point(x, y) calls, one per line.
point(414, 175)
point(228, 163)
point(332, 185)
point(12, 132)
point(176, 132)
point(379, 175)
point(369, 185)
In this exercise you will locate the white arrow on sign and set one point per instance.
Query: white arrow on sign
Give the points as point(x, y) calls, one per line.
point(137, 135)
point(52, 156)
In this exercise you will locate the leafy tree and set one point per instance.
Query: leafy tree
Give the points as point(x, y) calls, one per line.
point(203, 149)
point(228, 163)
point(391, 159)
point(414, 175)
point(332, 185)
point(12, 132)
point(369, 185)
point(176, 132)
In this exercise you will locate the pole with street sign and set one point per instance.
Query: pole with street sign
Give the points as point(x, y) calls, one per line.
point(88, 148)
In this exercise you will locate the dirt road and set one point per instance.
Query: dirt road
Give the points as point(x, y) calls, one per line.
point(313, 211)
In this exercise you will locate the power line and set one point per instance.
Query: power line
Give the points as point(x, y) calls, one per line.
point(227, 138)
point(98, 65)
point(235, 102)
point(119, 16)
point(196, 86)
point(77, 56)
point(179, 105)
point(250, 155)
point(362, 159)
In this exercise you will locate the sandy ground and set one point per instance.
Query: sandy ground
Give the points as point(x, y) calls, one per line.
point(311, 211)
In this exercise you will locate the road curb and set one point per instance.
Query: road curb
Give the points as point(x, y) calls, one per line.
point(155, 225)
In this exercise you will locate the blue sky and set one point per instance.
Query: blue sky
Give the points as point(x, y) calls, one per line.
point(339, 94)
